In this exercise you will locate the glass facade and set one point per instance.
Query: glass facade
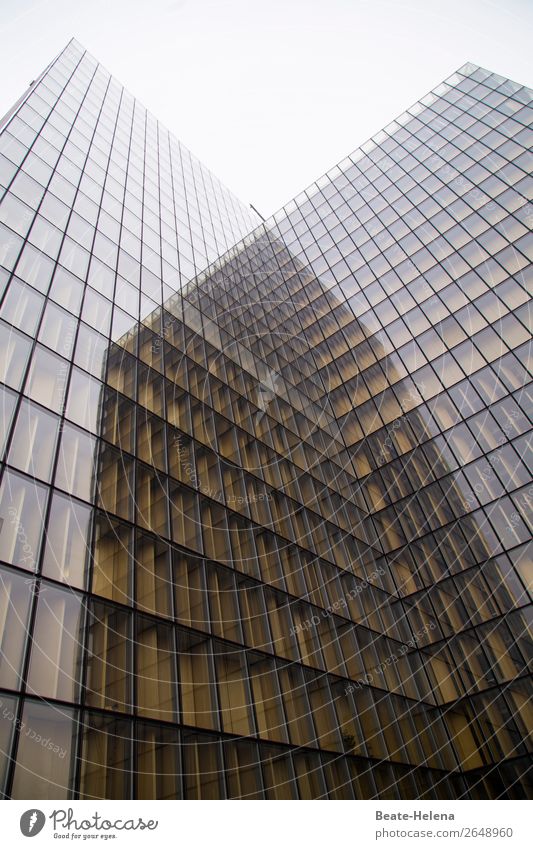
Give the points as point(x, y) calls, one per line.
point(264, 497)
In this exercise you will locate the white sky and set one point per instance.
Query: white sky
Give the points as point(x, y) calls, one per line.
point(270, 95)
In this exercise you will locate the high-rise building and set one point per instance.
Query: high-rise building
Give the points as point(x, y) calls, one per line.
point(264, 497)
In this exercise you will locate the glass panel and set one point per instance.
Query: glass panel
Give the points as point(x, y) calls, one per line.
point(91, 351)
point(151, 501)
point(66, 548)
point(308, 771)
point(268, 709)
point(118, 420)
point(16, 350)
point(111, 566)
point(158, 771)
point(84, 400)
point(44, 756)
point(15, 597)
point(114, 482)
point(243, 775)
point(55, 656)
point(190, 592)
point(338, 779)
point(22, 306)
point(22, 503)
point(232, 692)
point(253, 612)
point(8, 714)
point(196, 681)
point(108, 658)
point(58, 330)
point(7, 407)
point(277, 773)
point(34, 441)
point(185, 519)
point(75, 463)
point(297, 708)
point(155, 678)
point(47, 379)
point(105, 759)
point(202, 767)
point(225, 615)
point(152, 575)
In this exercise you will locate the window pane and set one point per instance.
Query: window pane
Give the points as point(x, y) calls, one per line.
point(309, 775)
point(111, 567)
point(277, 773)
point(114, 483)
point(75, 463)
point(44, 754)
point(55, 656)
point(66, 290)
point(106, 759)
point(7, 407)
point(58, 330)
point(15, 596)
point(8, 713)
point(84, 400)
point(242, 770)
point(155, 679)
point(151, 500)
point(267, 700)
point(10, 245)
point(108, 666)
point(152, 575)
point(190, 593)
point(47, 379)
point(202, 767)
point(16, 349)
point(185, 520)
point(66, 544)
point(22, 503)
point(34, 440)
point(22, 306)
point(158, 770)
point(196, 684)
point(232, 692)
point(225, 615)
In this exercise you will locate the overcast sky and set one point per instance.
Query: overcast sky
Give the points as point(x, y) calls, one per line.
point(270, 95)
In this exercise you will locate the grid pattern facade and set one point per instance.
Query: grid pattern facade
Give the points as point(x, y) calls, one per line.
point(265, 536)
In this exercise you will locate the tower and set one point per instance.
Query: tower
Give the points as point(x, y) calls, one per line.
point(264, 496)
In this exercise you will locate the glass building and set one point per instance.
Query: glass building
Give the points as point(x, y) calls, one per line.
point(264, 501)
